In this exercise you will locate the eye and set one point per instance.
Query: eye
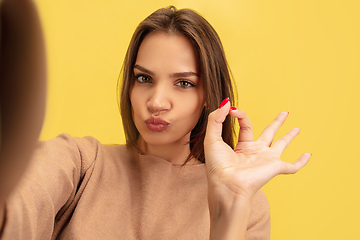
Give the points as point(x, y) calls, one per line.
point(185, 84)
point(143, 78)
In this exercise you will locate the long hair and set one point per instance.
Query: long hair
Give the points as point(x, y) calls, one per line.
point(214, 72)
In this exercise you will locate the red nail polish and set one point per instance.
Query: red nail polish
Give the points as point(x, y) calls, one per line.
point(233, 108)
point(225, 101)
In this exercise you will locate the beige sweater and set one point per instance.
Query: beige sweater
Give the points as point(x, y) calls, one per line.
point(77, 188)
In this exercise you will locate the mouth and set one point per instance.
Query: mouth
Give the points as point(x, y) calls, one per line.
point(156, 124)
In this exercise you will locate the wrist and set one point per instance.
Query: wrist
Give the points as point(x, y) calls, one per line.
point(223, 197)
point(230, 221)
point(229, 213)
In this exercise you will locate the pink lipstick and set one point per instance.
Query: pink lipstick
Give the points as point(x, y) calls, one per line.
point(156, 124)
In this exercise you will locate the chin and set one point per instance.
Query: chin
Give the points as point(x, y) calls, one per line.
point(156, 140)
point(164, 139)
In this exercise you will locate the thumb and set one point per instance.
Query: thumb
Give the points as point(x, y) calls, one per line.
point(215, 120)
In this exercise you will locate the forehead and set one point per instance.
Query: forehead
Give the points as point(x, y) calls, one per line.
point(161, 51)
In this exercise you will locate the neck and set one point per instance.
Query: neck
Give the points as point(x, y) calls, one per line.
point(176, 153)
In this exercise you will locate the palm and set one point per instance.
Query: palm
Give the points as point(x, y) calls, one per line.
point(251, 164)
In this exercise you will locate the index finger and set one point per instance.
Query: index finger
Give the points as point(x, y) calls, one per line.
point(246, 129)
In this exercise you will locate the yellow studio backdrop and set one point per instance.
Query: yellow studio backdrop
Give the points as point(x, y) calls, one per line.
point(296, 56)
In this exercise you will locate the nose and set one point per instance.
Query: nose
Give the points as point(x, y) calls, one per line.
point(159, 100)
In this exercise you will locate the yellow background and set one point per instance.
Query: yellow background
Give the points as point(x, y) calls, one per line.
point(298, 56)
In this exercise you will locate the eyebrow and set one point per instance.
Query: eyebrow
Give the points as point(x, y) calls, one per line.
point(179, 74)
point(137, 66)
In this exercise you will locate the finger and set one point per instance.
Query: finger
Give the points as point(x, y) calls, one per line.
point(269, 132)
point(246, 129)
point(291, 168)
point(283, 142)
point(214, 125)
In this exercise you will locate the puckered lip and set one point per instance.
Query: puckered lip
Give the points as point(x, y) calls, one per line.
point(156, 120)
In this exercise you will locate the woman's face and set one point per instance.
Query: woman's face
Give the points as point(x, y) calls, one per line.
point(167, 96)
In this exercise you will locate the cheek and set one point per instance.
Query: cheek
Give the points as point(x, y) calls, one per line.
point(192, 107)
point(135, 99)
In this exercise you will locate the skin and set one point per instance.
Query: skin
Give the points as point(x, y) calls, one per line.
point(22, 90)
point(234, 175)
point(170, 88)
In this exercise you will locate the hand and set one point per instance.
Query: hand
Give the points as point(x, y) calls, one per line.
point(244, 170)
point(22, 89)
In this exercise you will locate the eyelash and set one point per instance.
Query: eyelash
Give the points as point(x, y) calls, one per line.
point(178, 83)
point(142, 76)
point(189, 84)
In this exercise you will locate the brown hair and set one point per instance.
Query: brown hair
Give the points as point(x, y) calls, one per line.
point(215, 72)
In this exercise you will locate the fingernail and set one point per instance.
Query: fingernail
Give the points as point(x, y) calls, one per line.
point(233, 108)
point(225, 101)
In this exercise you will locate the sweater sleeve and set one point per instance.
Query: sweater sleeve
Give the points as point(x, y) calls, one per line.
point(259, 222)
point(57, 171)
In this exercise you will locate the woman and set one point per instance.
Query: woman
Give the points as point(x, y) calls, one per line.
point(157, 187)
point(208, 75)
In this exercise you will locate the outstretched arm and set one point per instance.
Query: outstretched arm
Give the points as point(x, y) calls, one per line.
point(22, 90)
point(235, 175)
